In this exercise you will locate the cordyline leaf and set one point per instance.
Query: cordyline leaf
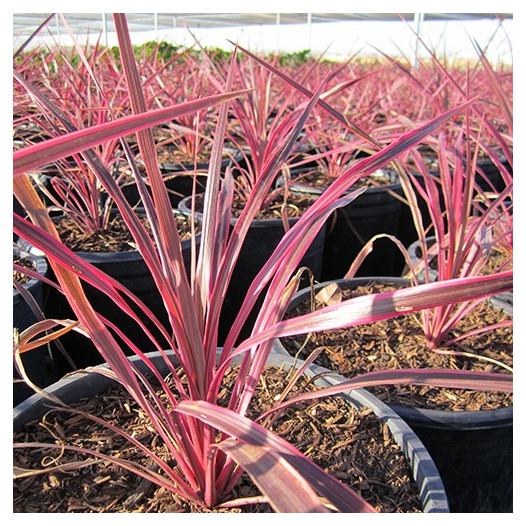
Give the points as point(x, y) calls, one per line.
point(186, 328)
point(26, 340)
point(33, 35)
point(336, 114)
point(285, 489)
point(447, 378)
point(19, 472)
point(45, 152)
point(249, 432)
point(376, 307)
point(215, 227)
point(503, 98)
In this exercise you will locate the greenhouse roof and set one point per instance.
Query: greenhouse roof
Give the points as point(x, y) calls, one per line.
point(80, 22)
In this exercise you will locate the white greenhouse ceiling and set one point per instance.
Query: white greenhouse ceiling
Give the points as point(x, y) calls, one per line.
point(24, 23)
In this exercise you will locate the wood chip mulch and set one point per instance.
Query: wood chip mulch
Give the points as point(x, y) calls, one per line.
point(353, 445)
point(399, 343)
point(115, 238)
point(319, 180)
point(294, 205)
point(498, 261)
point(171, 155)
point(18, 276)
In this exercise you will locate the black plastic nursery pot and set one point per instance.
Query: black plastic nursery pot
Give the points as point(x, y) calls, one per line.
point(376, 211)
point(473, 450)
point(483, 485)
point(37, 363)
point(491, 180)
point(180, 186)
point(84, 385)
point(262, 238)
point(130, 269)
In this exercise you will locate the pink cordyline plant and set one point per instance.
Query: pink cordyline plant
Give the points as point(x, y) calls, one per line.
point(190, 135)
point(71, 97)
point(332, 147)
point(498, 150)
point(261, 142)
point(333, 150)
point(260, 121)
point(462, 242)
point(441, 87)
point(468, 223)
point(210, 445)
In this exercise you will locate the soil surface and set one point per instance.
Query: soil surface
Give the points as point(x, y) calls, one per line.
point(498, 261)
point(399, 343)
point(115, 238)
point(18, 276)
point(170, 150)
point(294, 205)
point(353, 445)
point(319, 180)
point(167, 155)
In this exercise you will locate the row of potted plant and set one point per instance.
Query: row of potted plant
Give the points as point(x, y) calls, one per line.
point(210, 441)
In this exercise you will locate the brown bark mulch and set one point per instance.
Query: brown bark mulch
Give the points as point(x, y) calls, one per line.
point(19, 276)
point(317, 179)
point(351, 444)
point(115, 238)
point(399, 343)
point(293, 205)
